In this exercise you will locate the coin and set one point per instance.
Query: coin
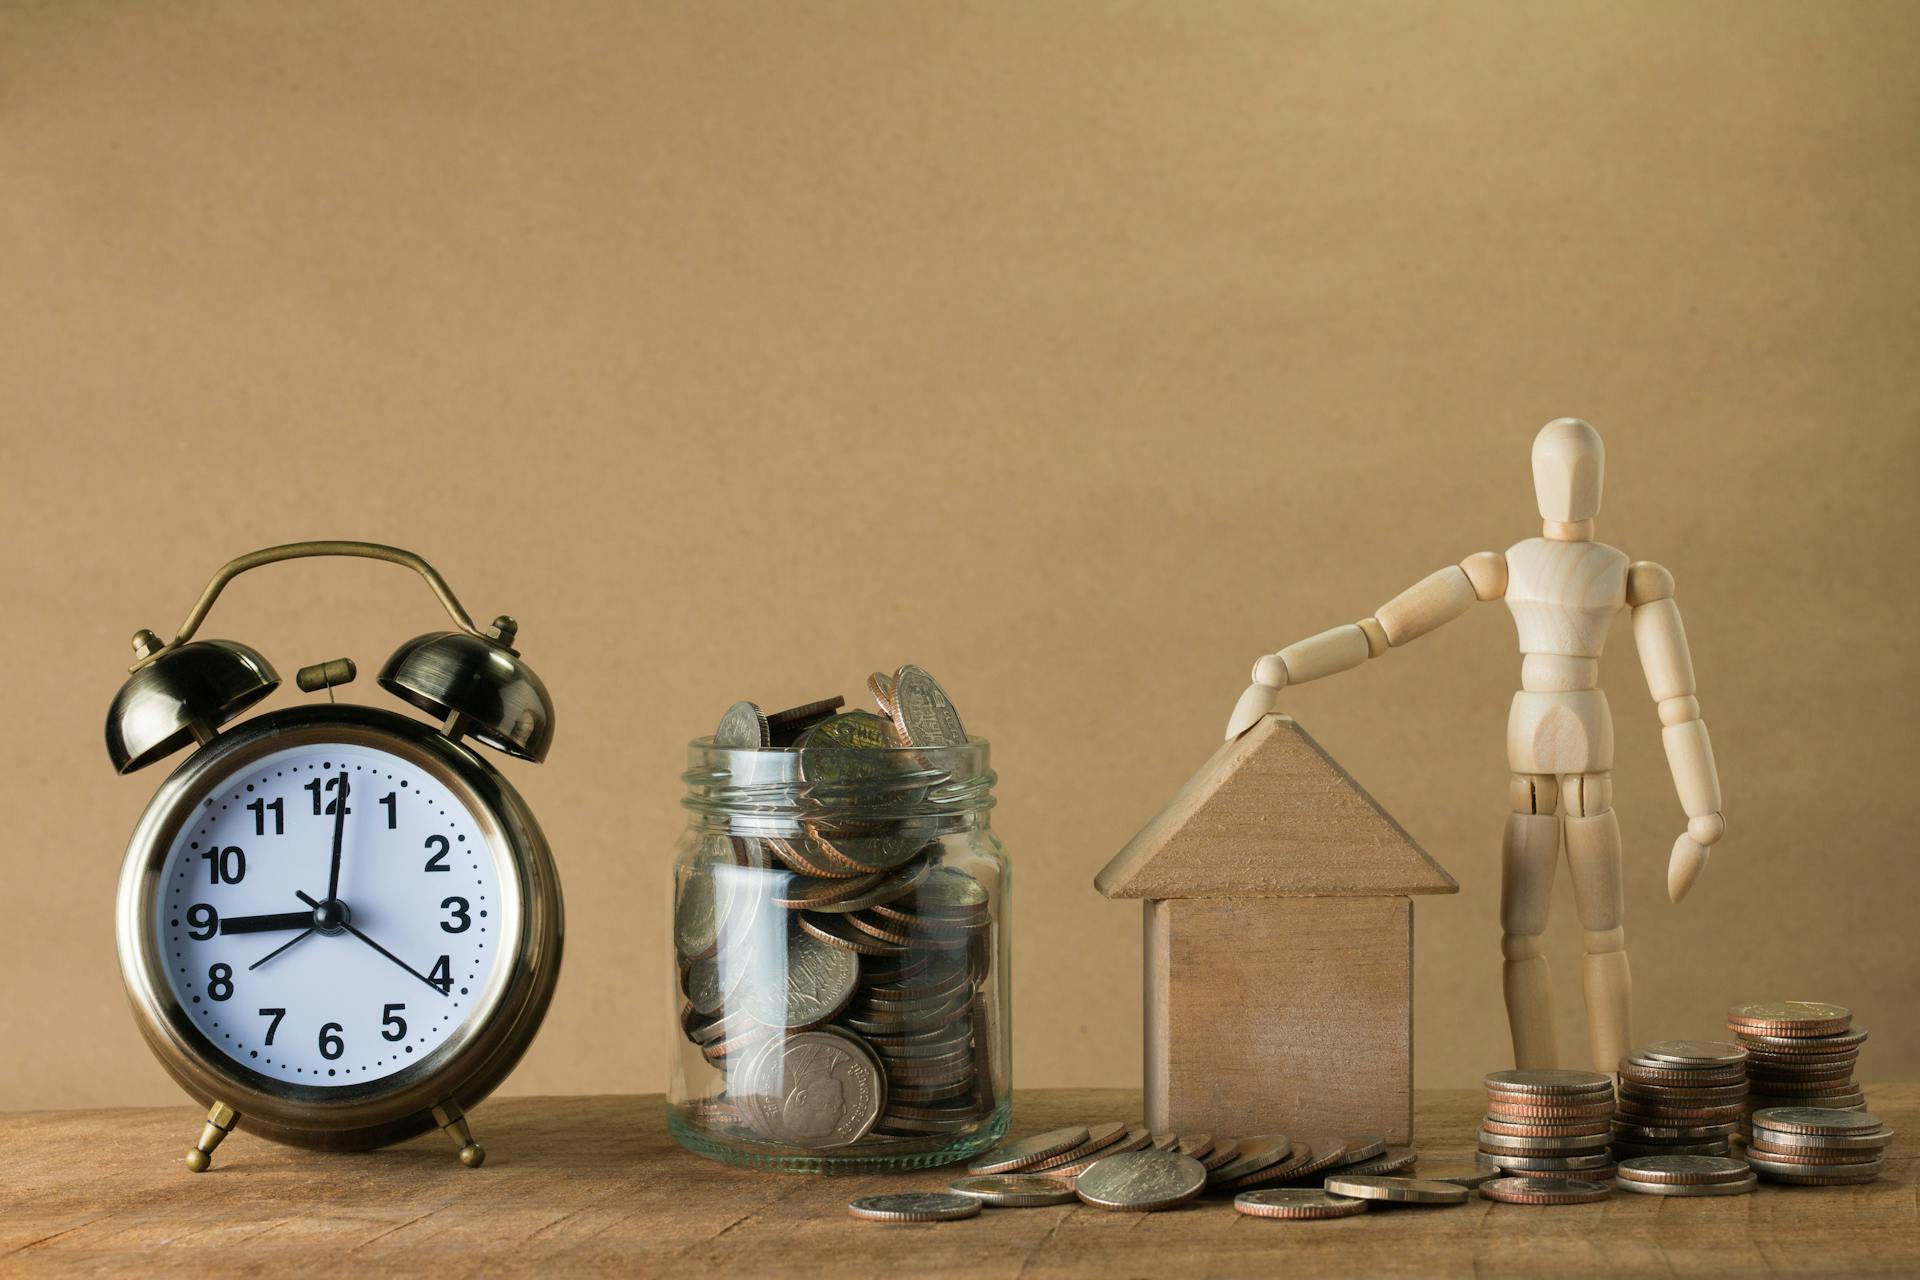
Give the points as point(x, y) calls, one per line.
point(1872, 1138)
point(1738, 1187)
point(922, 713)
point(742, 727)
point(1692, 1052)
point(851, 747)
point(814, 1089)
point(1014, 1190)
point(1392, 1160)
point(1791, 1017)
point(1687, 1169)
point(1397, 1190)
point(1550, 1081)
point(816, 983)
point(1197, 1145)
point(1491, 1142)
point(1535, 1164)
point(1545, 1191)
point(1134, 1140)
point(1095, 1138)
point(1297, 1202)
point(1323, 1153)
point(1467, 1175)
point(1816, 1120)
point(1256, 1153)
point(941, 1206)
point(1769, 1165)
point(1141, 1181)
point(880, 685)
point(1223, 1150)
point(1364, 1146)
point(1575, 1129)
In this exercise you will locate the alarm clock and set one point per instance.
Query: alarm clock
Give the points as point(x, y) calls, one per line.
point(337, 924)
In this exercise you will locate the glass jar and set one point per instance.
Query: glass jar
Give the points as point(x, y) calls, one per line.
point(841, 998)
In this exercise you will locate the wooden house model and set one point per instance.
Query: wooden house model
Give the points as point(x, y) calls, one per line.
point(1279, 946)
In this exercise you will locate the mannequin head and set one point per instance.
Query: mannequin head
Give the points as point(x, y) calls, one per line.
point(1568, 459)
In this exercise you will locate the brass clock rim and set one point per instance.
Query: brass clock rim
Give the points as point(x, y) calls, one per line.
point(470, 1063)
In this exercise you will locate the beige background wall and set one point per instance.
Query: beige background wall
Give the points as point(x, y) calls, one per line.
point(1077, 351)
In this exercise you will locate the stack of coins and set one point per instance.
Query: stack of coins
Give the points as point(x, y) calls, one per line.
point(1549, 1124)
point(1799, 1053)
point(837, 974)
point(1680, 1098)
point(1686, 1176)
point(1817, 1146)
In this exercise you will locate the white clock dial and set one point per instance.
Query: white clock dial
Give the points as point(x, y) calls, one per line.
point(320, 978)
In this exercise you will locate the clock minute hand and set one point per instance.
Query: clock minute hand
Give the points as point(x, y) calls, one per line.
point(272, 922)
point(339, 830)
point(382, 950)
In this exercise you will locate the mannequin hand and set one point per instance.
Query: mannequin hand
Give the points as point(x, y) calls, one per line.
point(1689, 857)
point(1254, 704)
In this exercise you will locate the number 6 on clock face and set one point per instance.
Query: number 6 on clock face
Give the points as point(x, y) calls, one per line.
point(329, 975)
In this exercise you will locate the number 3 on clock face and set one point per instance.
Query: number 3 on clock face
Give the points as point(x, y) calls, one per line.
point(330, 914)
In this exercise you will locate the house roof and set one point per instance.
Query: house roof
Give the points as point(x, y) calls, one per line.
point(1271, 815)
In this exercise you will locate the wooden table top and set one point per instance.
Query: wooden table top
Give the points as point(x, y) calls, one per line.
point(596, 1184)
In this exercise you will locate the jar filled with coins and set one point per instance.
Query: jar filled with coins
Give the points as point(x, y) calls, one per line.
point(841, 996)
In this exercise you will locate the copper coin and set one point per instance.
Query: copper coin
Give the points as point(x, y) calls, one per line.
point(1287, 1170)
point(1512, 1111)
point(1627, 1150)
point(1297, 1203)
point(1325, 1152)
point(802, 857)
point(1392, 1160)
point(1576, 1129)
point(1837, 1042)
point(1197, 1145)
point(880, 685)
point(1364, 1146)
point(1025, 1152)
point(1548, 1081)
point(1098, 1137)
point(1811, 1155)
point(836, 932)
point(1256, 1153)
point(1768, 1165)
point(1791, 1017)
point(1545, 1191)
point(1224, 1149)
point(943, 1206)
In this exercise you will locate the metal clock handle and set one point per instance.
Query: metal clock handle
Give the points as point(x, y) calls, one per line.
point(147, 646)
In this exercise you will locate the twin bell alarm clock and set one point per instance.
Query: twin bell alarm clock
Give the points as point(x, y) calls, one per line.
point(338, 925)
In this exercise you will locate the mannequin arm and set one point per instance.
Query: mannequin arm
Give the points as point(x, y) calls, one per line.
point(1432, 602)
point(1662, 642)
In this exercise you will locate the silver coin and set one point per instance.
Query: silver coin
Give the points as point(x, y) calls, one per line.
point(1397, 1190)
point(1544, 1191)
point(1141, 1181)
point(1259, 1152)
point(1686, 1053)
point(1628, 1150)
point(1491, 1142)
point(1392, 1160)
point(1297, 1202)
point(1014, 1190)
point(1871, 1140)
point(1816, 1120)
point(814, 983)
point(743, 727)
point(816, 1089)
point(852, 747)
point(942, 1206)
point(1536, 1164)
point(922, 713)
point(1466, 1175)
point(1736, 1188)
point(1364, 1146)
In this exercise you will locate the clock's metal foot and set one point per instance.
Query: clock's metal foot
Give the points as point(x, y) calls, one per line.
point(453, 1122)
point(220, 1121)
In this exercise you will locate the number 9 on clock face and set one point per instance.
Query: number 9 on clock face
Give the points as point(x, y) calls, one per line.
point(331, 915)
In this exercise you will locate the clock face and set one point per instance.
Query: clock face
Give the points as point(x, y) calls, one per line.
point(330, 914)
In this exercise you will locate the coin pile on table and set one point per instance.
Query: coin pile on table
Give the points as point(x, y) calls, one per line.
point(837, 973)
point(1817, 1146)
point(1799, 1053)
point(1548, 1125)
point(1685, 1176)
point(1680, 1098)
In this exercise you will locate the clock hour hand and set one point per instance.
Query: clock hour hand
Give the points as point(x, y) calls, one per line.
point(339, 830)
point(377, 947)
point(270, 923)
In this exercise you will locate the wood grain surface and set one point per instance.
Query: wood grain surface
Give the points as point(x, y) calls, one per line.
point(595, 1184)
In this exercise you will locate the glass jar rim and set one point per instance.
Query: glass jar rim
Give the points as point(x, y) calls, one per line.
point(815, 783)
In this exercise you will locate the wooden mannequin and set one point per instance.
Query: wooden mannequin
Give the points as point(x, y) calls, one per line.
point(1564, 590)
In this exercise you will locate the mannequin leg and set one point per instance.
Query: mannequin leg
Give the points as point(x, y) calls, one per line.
point(1593, 856)
point(1527, 856)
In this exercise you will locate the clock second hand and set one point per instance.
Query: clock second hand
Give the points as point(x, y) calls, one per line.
point(376, 946)
point(277, 950)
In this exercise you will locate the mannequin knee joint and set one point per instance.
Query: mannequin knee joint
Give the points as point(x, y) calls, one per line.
point(1520, 946)
point(1602, 941)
